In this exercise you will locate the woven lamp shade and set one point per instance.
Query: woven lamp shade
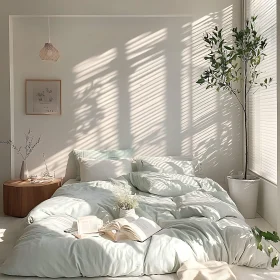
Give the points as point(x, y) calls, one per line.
point(49, 52)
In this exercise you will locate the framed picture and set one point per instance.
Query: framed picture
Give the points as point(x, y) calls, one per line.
point(43, 97)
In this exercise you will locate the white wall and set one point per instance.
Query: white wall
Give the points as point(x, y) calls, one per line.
point(107, 102)
point(268, 202)
point(278, 115)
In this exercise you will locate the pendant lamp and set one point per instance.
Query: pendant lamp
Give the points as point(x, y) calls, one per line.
point(49, 52)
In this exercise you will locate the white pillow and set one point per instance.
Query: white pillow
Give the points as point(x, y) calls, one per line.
point(103, 169)
point(164, 184)
point(175, 165)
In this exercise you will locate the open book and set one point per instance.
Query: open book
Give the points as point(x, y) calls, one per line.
point(87, 226)
point(138, 229)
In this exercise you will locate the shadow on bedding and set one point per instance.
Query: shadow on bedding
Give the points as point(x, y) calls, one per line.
point(53, 253)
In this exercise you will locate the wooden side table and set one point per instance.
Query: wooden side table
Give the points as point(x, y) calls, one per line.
point(20, 197)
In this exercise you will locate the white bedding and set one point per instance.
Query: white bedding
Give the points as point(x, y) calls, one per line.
point(172, 276)
point(201, 223)
point(70, 181)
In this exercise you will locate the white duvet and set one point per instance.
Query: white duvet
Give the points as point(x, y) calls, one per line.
point(199, 220)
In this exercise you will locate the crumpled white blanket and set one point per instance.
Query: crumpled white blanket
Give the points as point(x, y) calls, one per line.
point(199, 222)
point(211, 270)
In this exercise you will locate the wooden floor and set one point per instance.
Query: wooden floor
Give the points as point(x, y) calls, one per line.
point(10, 230)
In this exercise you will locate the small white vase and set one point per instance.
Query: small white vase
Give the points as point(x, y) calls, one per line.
point(24, 174)
point(127, 213)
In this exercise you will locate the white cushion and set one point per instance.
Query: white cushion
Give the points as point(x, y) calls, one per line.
point(98, 154)
point(102, 170)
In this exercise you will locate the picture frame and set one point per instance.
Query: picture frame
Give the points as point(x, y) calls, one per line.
point(42, 97)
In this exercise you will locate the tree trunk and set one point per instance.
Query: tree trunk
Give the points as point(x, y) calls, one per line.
point(245, 121)
point(246, 144)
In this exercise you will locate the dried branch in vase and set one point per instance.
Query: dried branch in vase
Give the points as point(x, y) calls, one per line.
point(29, 146)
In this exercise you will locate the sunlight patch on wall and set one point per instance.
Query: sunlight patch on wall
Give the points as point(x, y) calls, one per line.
point(147, 87)
point(96, 118)
point(186, 91)
point(94, 66)
point(198, 105)
point(227, 22)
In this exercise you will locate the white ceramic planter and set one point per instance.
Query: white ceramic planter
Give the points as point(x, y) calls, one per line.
point(245, 194)
point(127, 213)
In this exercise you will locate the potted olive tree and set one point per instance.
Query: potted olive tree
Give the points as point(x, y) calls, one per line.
point(233, 64)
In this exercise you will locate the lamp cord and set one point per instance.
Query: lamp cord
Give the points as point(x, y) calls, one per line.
point(49, 29)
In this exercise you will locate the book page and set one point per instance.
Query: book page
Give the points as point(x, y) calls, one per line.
point(85, 235)
point(141, 228)
point(119, 236)
point(126, 233)
point(89, 224)
point(118, 223)
point(111, 234)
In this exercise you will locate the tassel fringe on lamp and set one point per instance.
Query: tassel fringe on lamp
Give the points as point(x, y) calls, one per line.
point(49, 52)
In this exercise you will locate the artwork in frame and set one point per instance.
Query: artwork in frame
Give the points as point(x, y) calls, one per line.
point(43, 97)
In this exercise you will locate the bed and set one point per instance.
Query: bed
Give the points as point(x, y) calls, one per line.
point(199, 220)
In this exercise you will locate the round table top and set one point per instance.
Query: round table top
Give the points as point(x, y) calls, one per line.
point(28, 183)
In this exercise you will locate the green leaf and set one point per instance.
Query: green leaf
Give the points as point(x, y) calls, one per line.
point(274, 261)
point(228, 48)
point(206, 40)
point(272, 236)
point(201, 81)
point(269, 250)
point(259, 246)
